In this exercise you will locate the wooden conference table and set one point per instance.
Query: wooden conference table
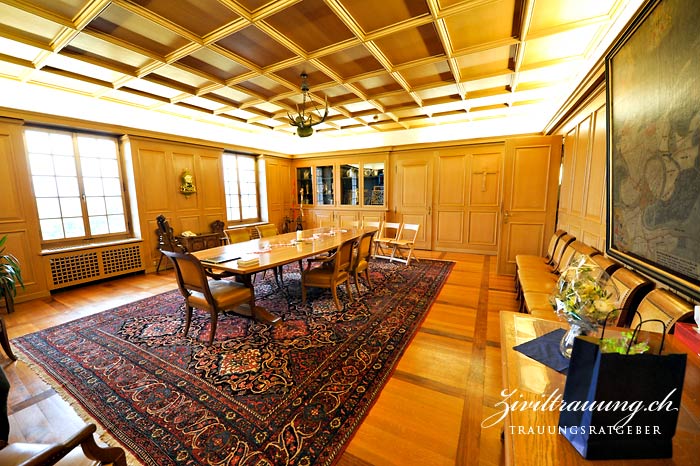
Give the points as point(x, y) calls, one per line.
point(276, 251)
point(532, 380)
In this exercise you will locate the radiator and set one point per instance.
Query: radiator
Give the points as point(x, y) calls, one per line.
point(86, 265)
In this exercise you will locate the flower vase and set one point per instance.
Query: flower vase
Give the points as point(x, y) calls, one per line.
point(567, 341)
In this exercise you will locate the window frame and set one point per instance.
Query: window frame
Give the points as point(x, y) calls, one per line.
point(88, 238)
point(248, 220)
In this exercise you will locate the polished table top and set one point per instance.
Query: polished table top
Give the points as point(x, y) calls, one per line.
point(274, 251)
point(533, 381)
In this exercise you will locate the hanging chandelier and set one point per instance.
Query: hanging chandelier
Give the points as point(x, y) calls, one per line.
point(305, 119)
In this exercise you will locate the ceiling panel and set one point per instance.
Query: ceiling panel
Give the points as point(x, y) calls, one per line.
point(238, 62)
point(200, 17)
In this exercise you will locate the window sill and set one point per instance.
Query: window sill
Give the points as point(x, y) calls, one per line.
point(59, 250)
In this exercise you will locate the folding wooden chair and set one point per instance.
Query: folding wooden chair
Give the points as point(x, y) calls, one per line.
point(382, 244)
point(404, 243)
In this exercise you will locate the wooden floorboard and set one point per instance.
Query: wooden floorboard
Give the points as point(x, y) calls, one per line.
point(429, 412)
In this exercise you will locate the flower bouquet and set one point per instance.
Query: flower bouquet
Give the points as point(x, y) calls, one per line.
point(585, 297)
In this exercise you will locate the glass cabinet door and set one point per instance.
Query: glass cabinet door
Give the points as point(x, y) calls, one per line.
point(324, 185)
point(350, 184)
point(373, 179)
point(304, 187)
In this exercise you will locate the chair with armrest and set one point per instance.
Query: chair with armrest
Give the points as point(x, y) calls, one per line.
point(214, 296)
point(63, 453)
point(333, 270)
point(217, 226)
point(665, 306)
point(166, 239)
point(360, 263)
point(382, 243)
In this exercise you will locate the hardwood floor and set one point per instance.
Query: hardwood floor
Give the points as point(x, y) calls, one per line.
point(429, 412)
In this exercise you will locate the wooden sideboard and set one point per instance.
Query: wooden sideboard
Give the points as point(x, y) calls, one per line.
point(201, 241)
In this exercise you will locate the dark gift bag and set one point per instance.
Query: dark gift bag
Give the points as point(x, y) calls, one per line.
point(621, 406)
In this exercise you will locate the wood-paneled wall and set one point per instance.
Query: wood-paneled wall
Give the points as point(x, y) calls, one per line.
point(18, 217)
point(582, 209)
point(158, 167)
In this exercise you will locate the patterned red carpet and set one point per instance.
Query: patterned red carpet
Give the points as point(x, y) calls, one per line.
point(289, 394)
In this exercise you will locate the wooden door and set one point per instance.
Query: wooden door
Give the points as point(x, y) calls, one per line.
point(531, 183)
point(413, 194)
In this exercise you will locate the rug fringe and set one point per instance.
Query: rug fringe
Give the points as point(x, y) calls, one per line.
point(102, 434)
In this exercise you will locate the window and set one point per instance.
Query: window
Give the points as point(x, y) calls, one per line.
point(240, 188)
point(77, 184)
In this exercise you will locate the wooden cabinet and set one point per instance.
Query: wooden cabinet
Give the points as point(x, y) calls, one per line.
point(341, 191)
point(201, 241)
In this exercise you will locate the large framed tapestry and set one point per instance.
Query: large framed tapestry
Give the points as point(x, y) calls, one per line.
point(653, 87)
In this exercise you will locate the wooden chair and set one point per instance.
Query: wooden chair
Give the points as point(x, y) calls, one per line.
point(372, 224)
point(360, 263)
point(530, 259)
point(40, 454)
point(404, 243)
point(214, 296)
point(237, 235)
point(382, 244)
point(166, 239)
point(665, 306)
point(217, 226)
point(631, 288)
point(269, 229)
point(333, 271)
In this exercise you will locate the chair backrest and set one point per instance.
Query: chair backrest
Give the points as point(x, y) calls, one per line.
point(568, 255)
point(166, 237)
point(390, 230)
point(665, 306)
point(268, 229)
point(238, 235)
point(563, 242)
point(364, 249)
point(372, 224)
point(190, 275)
point(631, 288)
point(343, 257)
point(605, 263)
point(217, 226)
point(408, 232)
point(553, 243)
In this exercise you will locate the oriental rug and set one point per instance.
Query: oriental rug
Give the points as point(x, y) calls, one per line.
point(293, 393)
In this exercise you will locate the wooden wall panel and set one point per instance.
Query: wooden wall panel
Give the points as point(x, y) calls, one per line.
point(530, 179)
point(450, 228)
point(485, 186)
point(524, 238)
point(483, 228)
point(453, 178)
point(9, 190)
point(567, 166)
point(160, 184)
point(158, 167)
point(585, 217)
point(579, 181)
point(18, 215)
point(595, 199)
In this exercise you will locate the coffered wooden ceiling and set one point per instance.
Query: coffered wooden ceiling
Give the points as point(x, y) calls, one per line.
point(383, 65)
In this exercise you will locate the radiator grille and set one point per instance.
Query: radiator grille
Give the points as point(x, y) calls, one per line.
point(72, 268)
point(75, 268)
point(119, 260)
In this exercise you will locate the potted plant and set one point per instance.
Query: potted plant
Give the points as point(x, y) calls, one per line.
point(10, 276)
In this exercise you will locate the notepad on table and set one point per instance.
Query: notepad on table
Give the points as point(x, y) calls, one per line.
point(220, 259)
point(248, 261)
